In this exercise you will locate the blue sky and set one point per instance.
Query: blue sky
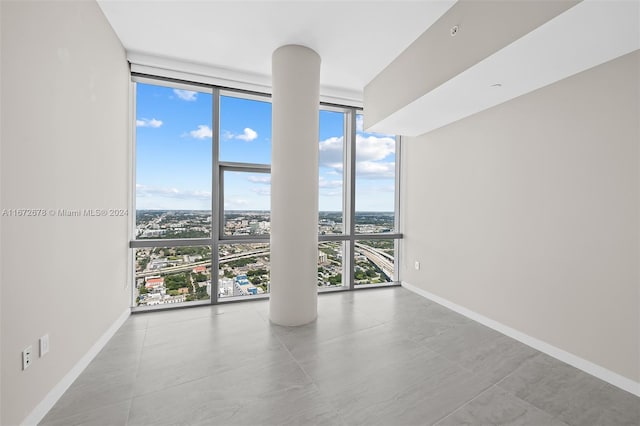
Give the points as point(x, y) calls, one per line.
point(174, 152)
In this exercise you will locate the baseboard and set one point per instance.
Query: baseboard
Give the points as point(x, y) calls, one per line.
point(58, 390)
point(587, 366)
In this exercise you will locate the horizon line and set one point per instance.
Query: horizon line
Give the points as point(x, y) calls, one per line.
point(245, 210)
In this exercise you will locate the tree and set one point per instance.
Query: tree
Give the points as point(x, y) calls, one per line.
point(199, 277)
point(175, 281)
point(142, 263)
point(256, 272)
point(201, 293)
point(241, 262)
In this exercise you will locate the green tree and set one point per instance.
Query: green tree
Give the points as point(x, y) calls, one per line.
point(201, 293)
point(176, 281)
point(241, 262)
point(256, 272)
point(199, 277)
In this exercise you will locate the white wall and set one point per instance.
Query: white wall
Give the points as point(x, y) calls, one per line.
point(528, 214)
point(64, 145)
point(1, 257)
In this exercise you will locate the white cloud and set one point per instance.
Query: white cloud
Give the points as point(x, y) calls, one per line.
point(186, 95)
point(370, 148)
point(330, 188)
point(266, 191)
point(203, 131)
point(371, 153)
point(152, 191)
point(145, 122)
point(247, 135)
point(266, 179)
point(359, 123)
point(331, 153)
point(324, 183)
point(325, 193)
point(235, 203)
point(375, 170)
point(374, 148)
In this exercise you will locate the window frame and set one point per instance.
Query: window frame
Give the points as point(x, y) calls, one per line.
point(348, 237)
point(349, 234)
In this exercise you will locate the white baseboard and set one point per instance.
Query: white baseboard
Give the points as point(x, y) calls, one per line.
point(587, 366)
point(54, 395)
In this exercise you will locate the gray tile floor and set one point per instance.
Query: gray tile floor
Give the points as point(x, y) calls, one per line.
point(374, 357)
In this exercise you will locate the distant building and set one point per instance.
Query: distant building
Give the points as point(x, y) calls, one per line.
point(153, 233)
point(154, 282)
point(158, 263)
point(200, 269)
point(243, 287)
point(225, 287)
point(162, 300)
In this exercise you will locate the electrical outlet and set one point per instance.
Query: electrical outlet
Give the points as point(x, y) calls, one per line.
point(44, 345)
point(26, 357)
point(416, 265)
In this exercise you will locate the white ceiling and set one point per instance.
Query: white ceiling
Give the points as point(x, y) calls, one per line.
point(230, 43)
point(588, 34)
point(235, 39)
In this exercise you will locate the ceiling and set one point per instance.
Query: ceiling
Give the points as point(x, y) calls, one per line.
point(235, 39)
point(230, 43)
point(588, 34)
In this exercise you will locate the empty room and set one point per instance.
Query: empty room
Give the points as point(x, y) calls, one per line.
point(305, 212)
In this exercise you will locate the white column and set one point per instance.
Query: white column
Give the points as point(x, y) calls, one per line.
point(294, 185)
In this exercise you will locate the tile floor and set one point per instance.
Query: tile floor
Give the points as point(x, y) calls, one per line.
point(374, 357)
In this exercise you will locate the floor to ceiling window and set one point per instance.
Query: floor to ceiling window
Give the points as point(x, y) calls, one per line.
point(244, 189)
point(173, 197)
point(376, 207)
point(358, 202)
point(202, 197)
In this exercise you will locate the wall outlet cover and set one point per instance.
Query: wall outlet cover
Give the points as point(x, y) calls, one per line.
point(26, 357)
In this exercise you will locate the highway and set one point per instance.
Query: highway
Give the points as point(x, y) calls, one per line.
point(379, 258)
point(190, 266)
point(382, 260)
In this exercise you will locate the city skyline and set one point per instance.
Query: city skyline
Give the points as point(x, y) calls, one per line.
point(167, 274)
